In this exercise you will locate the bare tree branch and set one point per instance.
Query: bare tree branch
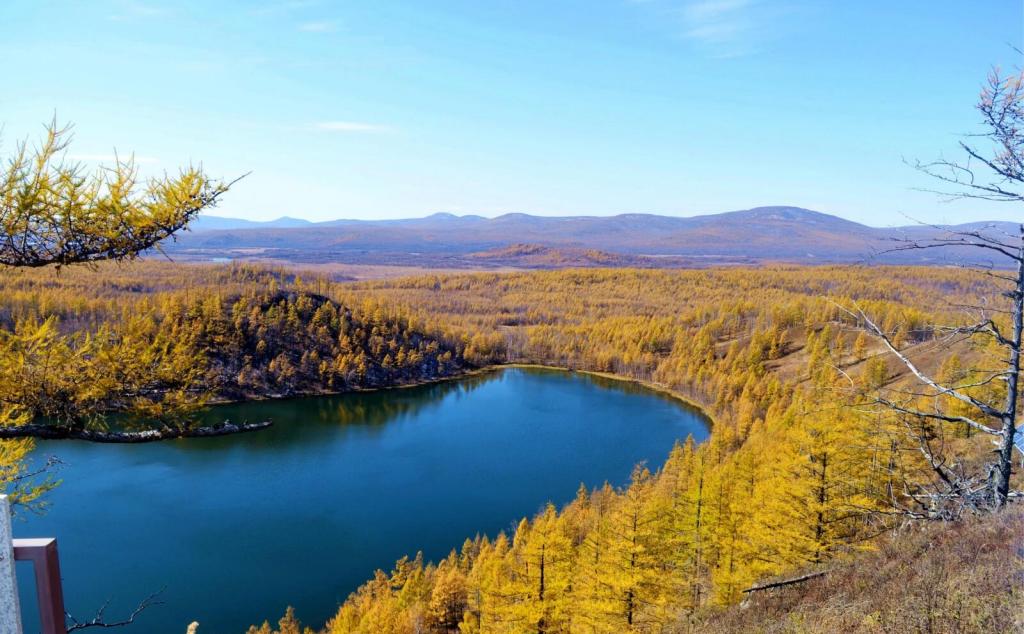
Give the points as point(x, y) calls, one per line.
point(97, 620)
point(927, 380)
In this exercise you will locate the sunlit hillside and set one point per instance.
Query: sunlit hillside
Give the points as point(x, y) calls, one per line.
point(456, 317)
point(800, 471)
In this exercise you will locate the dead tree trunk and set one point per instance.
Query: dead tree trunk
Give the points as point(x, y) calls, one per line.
point(1008, 428)
point(993, 172)
point(996, 420)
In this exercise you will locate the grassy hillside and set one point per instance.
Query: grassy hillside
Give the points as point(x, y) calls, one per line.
point(951, 578)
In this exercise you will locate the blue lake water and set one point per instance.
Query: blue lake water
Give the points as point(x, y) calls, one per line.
point(234, 529)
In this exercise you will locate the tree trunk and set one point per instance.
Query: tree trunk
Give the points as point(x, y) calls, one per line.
point(1009, 422)
point(787, 582)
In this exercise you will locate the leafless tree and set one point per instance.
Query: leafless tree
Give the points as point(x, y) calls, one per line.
point(993, 169)
point(995, 173)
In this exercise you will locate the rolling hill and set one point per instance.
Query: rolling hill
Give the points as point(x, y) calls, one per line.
point(787, 234)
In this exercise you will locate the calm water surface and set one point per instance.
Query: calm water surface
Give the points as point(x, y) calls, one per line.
point(236, 528)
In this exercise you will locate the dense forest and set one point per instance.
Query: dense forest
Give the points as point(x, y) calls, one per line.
point(797, 471)
point(159, 342)
point(800, 471)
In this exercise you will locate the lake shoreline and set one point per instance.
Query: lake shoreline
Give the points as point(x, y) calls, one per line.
point(258, 398)
point(659, 388)
point(380, 474)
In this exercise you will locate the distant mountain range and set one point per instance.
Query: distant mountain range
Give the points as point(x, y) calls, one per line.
point(787, 234)
point(219, 223)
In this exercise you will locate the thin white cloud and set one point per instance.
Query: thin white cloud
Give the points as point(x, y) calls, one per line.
point(112, 158)
point(318, 27)
point(704, 10)
point(352, 126)
point(716, 33)
point(722, 28)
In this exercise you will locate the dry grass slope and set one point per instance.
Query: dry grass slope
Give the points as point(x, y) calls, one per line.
point(944, 578)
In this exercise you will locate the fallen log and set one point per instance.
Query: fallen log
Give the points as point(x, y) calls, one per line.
point(786, 582)
point(57, 432)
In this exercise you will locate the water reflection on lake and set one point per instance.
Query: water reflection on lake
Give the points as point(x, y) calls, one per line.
point(237, 528)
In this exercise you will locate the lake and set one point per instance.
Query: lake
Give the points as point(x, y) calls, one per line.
point(236, 528)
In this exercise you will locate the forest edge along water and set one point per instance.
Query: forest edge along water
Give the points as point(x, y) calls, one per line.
point(498, 367)
point(651, 386)
point(304, 511)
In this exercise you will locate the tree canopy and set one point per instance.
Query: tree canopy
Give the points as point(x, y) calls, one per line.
point(54, 212)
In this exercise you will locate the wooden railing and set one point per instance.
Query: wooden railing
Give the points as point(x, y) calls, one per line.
point(42, 553)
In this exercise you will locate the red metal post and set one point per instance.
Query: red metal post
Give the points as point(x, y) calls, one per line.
point(42, 552)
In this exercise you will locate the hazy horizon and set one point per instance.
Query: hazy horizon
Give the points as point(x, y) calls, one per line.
point(897, 219)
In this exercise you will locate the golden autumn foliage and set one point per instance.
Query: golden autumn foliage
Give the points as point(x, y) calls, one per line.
point(53, 212)
point(792, 475)
point(109, 350)
point(157, 352)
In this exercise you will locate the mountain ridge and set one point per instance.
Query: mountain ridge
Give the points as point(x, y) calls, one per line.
point(208, 222)
point(769, 233)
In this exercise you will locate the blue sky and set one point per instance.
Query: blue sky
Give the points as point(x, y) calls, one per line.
point(385, 109)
